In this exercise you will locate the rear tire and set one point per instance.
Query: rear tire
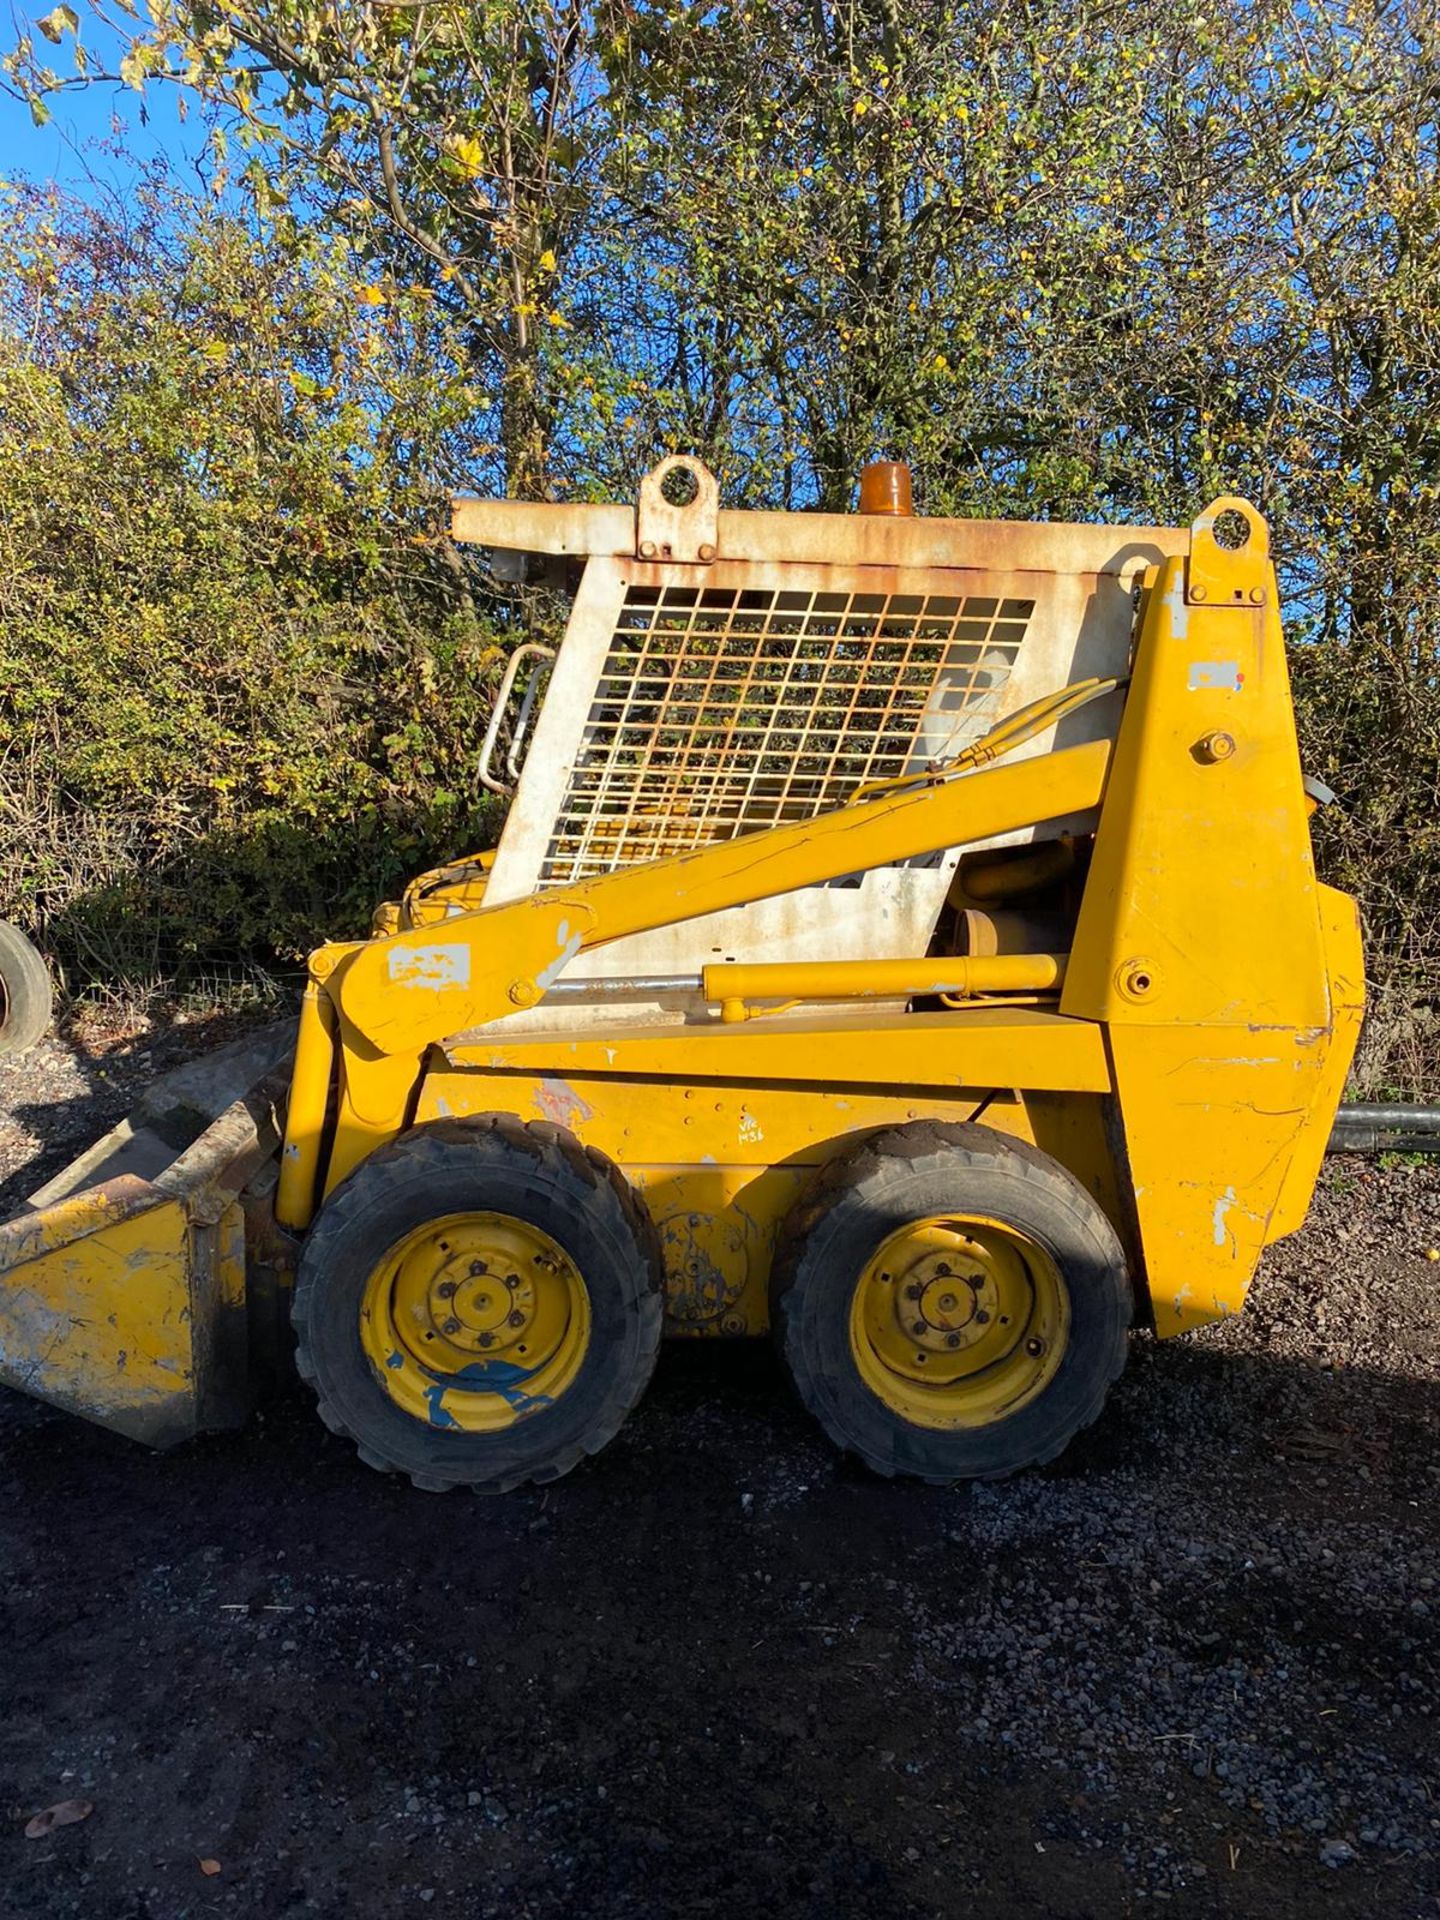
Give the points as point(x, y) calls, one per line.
point(26, 999)
point(394, 1310)
point(951, 1304)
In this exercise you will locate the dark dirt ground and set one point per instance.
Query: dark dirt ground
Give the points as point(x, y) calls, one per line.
point(1192, 1668)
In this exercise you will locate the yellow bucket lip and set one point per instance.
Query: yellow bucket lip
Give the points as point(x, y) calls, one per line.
point(957, 1321)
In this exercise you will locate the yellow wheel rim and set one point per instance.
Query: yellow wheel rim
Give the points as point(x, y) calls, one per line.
point(475, 1321)
point(958, 1321)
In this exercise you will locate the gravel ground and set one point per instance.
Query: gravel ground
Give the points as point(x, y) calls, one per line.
point(1192, 1668)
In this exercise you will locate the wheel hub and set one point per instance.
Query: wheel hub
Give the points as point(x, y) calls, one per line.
point(941, 1293)
point(482, 1304)
point(957, 1299)
point(485, 1311)
point(947, 1309)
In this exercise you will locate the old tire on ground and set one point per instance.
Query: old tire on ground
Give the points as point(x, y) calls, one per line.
point(950, 1303)
point(479, 1304)
point(26, 1001)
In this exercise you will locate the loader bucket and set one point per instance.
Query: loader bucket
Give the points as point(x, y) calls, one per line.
point(123, 1282)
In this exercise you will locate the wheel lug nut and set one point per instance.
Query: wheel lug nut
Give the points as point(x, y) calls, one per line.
point(981, 1317)
point(487, 1339)
point(1034, 1348)
point(447, 1289)
point(913, 1292)
point(477, 1267)
point(517, 1319)
point(943, 1271)
point(512, 1279)
point(952, 1339)
point(919, 1327)
point(451, 1326)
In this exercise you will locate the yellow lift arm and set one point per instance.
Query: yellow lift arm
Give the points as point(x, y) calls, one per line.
point(385, 1001)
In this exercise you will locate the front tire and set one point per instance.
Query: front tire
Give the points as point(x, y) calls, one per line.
point(479, 1304)
point(950, 1304)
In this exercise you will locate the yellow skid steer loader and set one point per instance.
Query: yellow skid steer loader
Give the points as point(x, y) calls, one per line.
point(904, 938)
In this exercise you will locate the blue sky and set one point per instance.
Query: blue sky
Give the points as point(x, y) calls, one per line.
point(77, 147)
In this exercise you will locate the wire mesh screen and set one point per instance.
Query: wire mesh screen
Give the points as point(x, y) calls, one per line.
point(721, 710)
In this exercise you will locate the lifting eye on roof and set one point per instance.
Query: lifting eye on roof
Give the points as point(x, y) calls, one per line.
point(678, 518)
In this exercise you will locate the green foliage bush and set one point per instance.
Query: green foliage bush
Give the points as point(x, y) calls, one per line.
point(242, 673)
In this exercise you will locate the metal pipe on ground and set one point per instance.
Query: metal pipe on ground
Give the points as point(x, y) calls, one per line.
point(1362, 1128)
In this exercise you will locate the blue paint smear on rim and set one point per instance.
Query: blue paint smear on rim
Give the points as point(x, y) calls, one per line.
point(438, 1415)
point(483, 1376)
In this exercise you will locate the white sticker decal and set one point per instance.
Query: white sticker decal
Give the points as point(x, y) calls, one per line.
point(432, 967)
point(1205, 674)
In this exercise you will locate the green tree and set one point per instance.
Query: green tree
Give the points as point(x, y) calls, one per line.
point(452, 143)
point(242, 673)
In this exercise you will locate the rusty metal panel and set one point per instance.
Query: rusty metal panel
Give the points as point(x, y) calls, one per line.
point(818, 539)
point(520, 526)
